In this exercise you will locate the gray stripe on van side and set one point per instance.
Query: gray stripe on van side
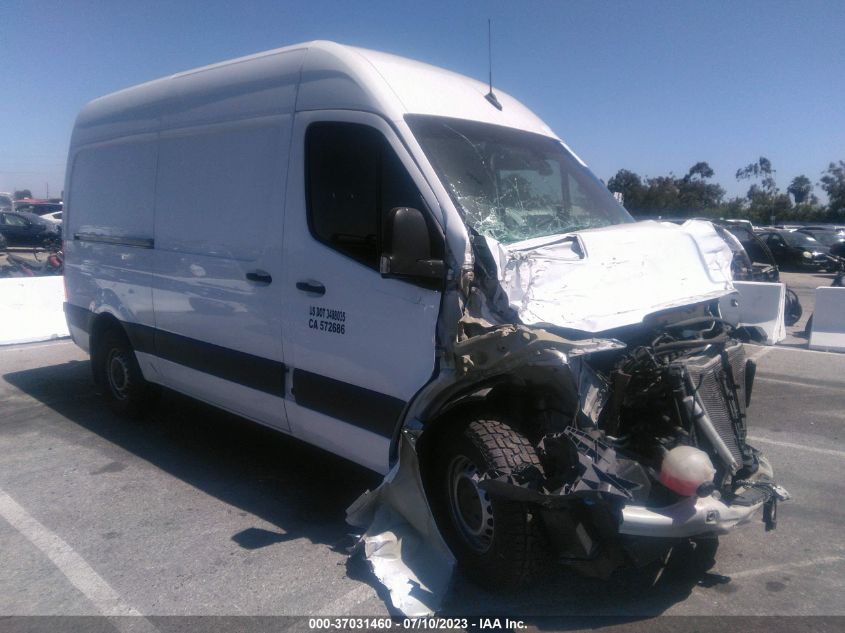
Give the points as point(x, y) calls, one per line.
point(364, 408)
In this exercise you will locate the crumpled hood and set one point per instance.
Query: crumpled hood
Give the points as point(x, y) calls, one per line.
point(600, 279)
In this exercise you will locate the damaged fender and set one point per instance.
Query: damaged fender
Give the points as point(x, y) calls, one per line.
point(401, 541)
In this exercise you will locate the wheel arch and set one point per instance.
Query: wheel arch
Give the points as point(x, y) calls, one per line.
point(508, 397)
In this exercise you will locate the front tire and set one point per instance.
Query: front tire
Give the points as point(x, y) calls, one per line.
point(499, 543)
point(118, 374)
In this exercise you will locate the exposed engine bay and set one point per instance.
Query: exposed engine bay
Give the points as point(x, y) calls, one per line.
point(649, 423)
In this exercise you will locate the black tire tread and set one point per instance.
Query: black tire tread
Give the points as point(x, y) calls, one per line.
point(507, 449)
point(520, 549)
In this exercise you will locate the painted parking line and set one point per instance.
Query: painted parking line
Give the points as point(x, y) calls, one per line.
point(78, 572)
point(796, 383)
point(757, 354)
point(802, 350)
point(759, 351)
point(801, 447)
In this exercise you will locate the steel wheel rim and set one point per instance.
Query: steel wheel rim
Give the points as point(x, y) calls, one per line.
point(117, 370)
point(470, 506)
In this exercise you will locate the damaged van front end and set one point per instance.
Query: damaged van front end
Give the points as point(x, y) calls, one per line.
point(639, 445)
point(590, 404)
point(630, 409)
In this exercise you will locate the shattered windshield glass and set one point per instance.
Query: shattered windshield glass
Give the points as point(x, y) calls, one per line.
point(513, 185)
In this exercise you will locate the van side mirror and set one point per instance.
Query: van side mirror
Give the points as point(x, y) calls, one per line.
point(407, 252)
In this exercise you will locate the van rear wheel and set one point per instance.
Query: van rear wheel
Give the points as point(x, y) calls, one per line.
point(119, 376)
point(499, 543)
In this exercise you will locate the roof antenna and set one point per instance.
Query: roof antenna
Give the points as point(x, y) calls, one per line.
point(490, 96)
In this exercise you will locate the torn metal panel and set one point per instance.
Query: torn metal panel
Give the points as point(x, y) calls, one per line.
point(583, 466)
point(402, 543)
point(512, 345)
point(600, 279)
point(593, 393)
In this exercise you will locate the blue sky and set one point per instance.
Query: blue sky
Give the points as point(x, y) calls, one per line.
point(648, 86)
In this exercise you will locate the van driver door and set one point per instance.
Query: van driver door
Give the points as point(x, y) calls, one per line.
point(358, 346)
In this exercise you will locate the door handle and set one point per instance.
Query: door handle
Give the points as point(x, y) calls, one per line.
point(259, 277)
point(315, 288)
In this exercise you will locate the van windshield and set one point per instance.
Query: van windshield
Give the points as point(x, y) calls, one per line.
point(513, 185)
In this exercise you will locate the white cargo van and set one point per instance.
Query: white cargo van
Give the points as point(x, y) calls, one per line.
point(364, 251)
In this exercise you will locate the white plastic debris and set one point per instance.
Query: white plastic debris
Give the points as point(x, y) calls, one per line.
point(402, 543)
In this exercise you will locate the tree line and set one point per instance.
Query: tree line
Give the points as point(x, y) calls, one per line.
point(695, 195)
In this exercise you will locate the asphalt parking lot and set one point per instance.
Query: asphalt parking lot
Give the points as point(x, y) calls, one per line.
point(194, 511)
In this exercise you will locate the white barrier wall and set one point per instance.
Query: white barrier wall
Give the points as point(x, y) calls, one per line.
point(760, 304)
point(31, 309)
point(828, 331)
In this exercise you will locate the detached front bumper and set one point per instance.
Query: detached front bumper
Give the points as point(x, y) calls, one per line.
point(694, 516)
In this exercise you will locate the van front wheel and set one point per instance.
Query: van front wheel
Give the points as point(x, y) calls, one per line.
point(499, 543)
point(120, 377)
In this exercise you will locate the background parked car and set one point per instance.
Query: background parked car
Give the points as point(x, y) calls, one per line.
point(795, 250)
point(38, 207)
point(827, 237)
point(27, 229)
point(6, 201)
point(836, 228)
point(763, 265)
point(55, 216)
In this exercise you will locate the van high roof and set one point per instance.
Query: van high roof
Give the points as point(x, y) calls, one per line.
point(317, 75)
